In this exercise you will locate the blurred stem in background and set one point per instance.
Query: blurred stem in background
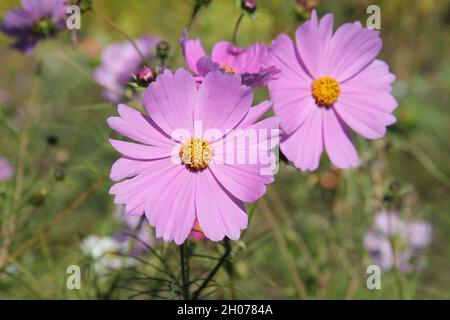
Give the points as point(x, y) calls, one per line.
point(116, 27)
point(11, 224)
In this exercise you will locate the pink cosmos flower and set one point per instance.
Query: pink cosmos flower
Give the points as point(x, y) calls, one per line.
point(178, 174)
point(6, 169)
point(246, 63)
point(409, 237)
point(119, 62)
point(328, 84)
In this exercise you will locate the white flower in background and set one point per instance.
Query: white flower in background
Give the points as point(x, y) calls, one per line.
point(107, 253)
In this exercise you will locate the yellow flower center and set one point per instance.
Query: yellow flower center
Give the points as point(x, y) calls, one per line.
point(196, 153)
point(326, 91)
point(228, 69)
point(111, 255)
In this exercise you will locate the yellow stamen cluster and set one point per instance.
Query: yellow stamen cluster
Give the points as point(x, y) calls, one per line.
point(196, 153)
point(228, 69)
point(326, 91)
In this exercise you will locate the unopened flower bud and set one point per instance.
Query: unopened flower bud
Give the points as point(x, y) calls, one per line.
point(52, 140)
point(248, 5)
point(303, 8)
point(145, 76)
point(394, 186)
point(59, 174)
point(162, 49)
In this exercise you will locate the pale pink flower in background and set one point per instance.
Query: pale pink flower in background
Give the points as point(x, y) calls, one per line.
point(329, 83)
point(410, 238)
point(6, 169)
point(119, 61)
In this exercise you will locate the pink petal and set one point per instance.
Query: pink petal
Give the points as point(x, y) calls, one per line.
point(304, 146)
point(353, 48)
point(140, 151)
point(218, 212)
point(172, 212)
point(171, 99)
point(360, 115)
point(282, 54)
point(337, 141)
point(192, 51)
point(138, 127)
point(372, 86)
point(239, 181)
point(222, 101)
point(127, 168)
point(222, 53)
point(242, 60)
point(294, 106)
point(135, 192)
point(314, 43)
point(249, 145)
point(255, 113)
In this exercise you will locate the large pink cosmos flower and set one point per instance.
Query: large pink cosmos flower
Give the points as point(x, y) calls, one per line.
point(247, 63)
point(177, 174)
point(328, 83)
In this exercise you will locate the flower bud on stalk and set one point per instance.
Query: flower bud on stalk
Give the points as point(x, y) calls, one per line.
point(303, 8)
point(162, 50)
point(145, 76)
point(248, 6)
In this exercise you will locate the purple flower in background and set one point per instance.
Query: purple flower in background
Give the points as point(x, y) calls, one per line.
point(143, 237)
point(6, 169)
point(37, 19)
point(228, 58)
point(395, 242)
point(119, 61)
point(328, 84)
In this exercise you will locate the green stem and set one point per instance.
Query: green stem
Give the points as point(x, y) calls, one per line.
point(213, 272)
point(184, 272)
point(124, 34)
point(107, 295)
point(195, 11)
point(236, 28)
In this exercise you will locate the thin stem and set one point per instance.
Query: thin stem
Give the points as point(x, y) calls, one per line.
point(195, 11)
point(184, 273)
point(130, 247)
point(214, 270)
point(124, 34)
point(236, 28)
point(55, 221)
point(282, 244)
point(424, 160)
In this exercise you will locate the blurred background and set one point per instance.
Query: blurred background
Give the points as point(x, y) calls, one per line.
point(306, 236)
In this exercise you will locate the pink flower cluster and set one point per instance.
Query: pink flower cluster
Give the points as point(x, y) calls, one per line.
point(322, 86)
